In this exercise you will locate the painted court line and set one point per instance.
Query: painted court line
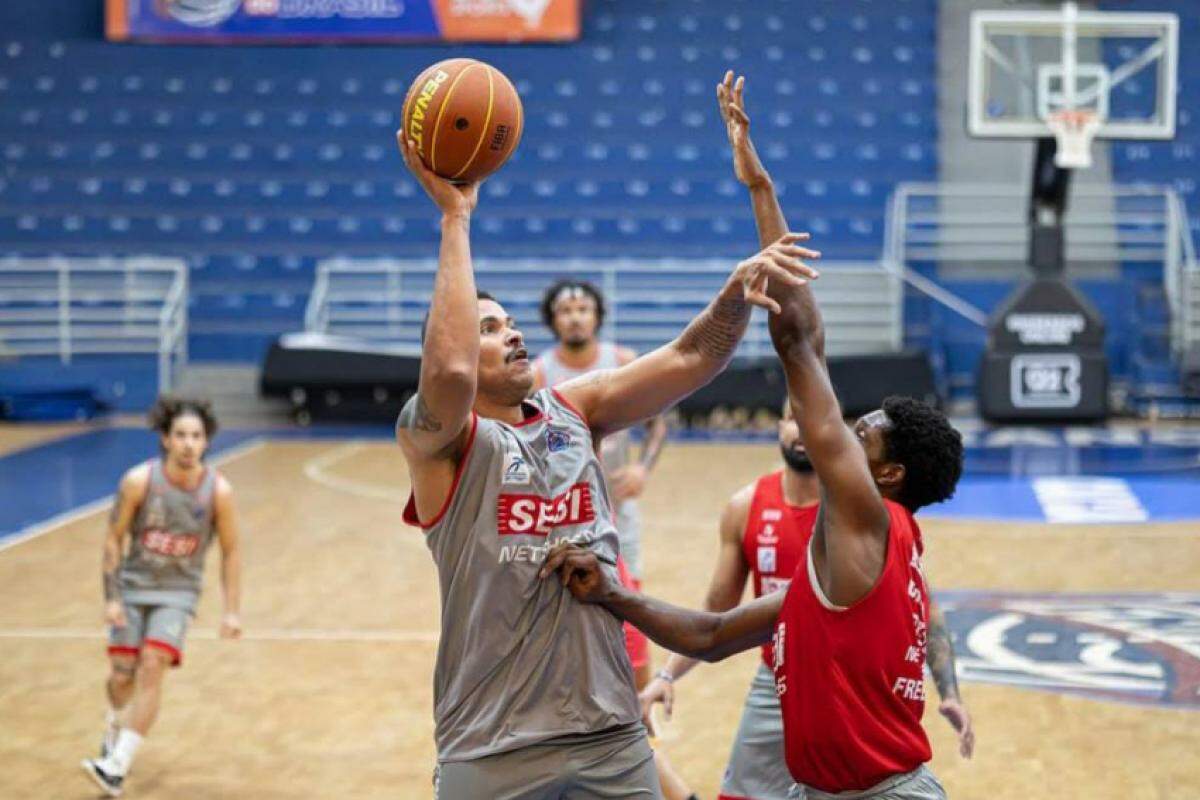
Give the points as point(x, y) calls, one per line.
point(53, 523)
point(253, 635)
point(314, 470)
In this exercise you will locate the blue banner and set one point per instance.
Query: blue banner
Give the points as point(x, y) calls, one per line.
point(284, 21)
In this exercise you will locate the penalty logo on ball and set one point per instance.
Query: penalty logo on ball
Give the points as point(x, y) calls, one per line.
point(1139, 648)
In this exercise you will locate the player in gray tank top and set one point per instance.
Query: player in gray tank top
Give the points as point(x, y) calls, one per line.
point(167, 513)
point(497, 479)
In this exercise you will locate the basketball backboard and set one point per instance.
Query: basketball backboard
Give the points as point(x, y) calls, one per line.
point(1116, 68)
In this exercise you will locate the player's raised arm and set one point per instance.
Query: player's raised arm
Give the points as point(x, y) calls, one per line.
point(615, 399)
point(747, 166)
point(436, 422)
point(707, 635)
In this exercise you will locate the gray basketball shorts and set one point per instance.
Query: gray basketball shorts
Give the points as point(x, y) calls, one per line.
point(629, 535)
point(757, 768)
point(920, 784)
point(613, 764)
point(160, 627)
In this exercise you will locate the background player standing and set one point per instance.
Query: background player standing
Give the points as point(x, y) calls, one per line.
point(533, 693)
point(168, 509)
point(574, 311)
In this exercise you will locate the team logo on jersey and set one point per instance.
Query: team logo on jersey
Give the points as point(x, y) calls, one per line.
point(165, 543)
point(766, 559)
point(536, 516)
point(557, 440)
point(516, 470)
point(767, 534)
point(1140, 648)
point(772, 585)
point(772, 514)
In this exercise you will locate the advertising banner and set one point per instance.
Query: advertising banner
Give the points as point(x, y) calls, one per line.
point(295, 21)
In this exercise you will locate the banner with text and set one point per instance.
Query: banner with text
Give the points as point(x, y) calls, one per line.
point(286, 21)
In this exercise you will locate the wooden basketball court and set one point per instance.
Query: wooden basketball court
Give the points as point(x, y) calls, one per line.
point(329, 694)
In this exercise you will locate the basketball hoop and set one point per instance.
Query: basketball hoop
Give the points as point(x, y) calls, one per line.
point(1074, 130)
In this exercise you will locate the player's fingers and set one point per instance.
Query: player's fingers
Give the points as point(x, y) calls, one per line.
point(762, 301)
point(553, 560)
point(796, 251)
point(791, 237)
point(738, 114)
point(786, 276)
point(793, 266)
point(669, 702)
point(738, 89)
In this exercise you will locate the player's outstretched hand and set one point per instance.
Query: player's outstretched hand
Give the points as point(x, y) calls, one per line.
point(747, 166)
point(782, 263)
point(231, 626)
point(114, 614)
point(959, 718)
point(450, 198)
point(657, 691)
point(579, 570)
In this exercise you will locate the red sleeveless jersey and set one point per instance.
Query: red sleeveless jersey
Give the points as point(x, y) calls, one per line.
point(850, 682)
point(773, 544)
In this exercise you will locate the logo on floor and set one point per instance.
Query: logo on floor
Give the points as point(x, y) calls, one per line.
point(1140, 648)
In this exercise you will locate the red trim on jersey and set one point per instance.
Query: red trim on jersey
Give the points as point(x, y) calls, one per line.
point(122, 650)
point(166, 647)
point(410, 508)
point(732, 797)
point(570, 406)
point(530, 420)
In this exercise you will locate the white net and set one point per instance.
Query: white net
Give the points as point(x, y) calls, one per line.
point(1074, 131)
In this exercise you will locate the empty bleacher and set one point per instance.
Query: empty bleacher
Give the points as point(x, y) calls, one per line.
point(255, 163)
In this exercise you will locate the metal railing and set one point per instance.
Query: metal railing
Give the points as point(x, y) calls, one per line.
point(67, 307)
point(986, 225)
point(648, 302)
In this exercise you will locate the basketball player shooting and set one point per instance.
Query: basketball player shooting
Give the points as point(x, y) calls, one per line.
point(533, 693)
point(858, 606)
point(166, 513)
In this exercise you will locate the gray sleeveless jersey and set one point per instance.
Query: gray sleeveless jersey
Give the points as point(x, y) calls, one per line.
point(169, 538)
point(615, 450)
point(519, 660)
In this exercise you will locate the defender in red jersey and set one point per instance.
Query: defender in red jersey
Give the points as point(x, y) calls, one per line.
point(765, 527)
point(851, 634)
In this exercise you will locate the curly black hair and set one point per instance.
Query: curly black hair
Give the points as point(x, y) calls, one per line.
point(931, 450)
point(551, 294)
point(169, 406)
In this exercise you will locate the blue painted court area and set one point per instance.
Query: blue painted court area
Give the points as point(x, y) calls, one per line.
point(1066, 475)
point(47, 480)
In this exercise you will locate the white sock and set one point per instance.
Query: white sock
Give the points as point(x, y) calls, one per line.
point(121, 757)
point(111, 727)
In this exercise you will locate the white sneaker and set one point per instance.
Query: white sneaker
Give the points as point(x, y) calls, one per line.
point(109, 782)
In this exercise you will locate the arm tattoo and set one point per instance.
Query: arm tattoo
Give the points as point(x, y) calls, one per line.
point(716, 332)
point(940, 657)
point(418, 417)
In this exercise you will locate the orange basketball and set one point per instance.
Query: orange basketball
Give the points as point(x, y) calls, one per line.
point(465, 117)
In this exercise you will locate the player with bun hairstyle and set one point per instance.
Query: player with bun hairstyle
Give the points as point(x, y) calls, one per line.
point(167, 512)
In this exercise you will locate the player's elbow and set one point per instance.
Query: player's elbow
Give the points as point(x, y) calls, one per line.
point(450, 376)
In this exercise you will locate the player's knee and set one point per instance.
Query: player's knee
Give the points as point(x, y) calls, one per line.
point(152, 665)
point(122, 672)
